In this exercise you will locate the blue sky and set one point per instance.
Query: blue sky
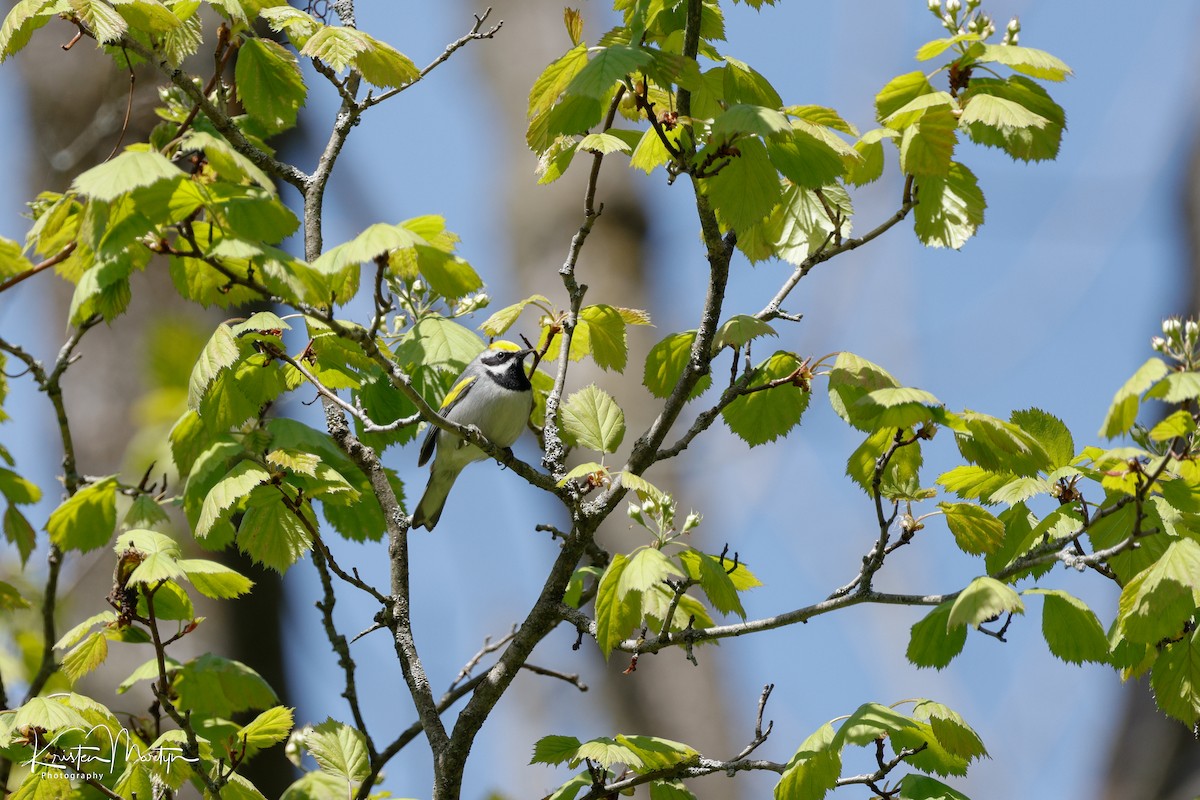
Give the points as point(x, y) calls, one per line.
point(1052, 306)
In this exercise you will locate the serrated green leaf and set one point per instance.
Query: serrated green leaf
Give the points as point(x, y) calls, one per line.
point(807, 160)
point(85, 656)
point(270, 84)
point(763, 416)
point(616, 614)
point(237, 484)
point(607, 752)
point(23, 19)
point(218, 687)
point(219, 353)
point(656, 753)
point(646, 570)
point(131, 170)
point(752, 120)
point(938, 46)
point(740, 329)
point(1177, 424)
point(1175, 679)
point(1160, 599)
point(746, 188)
point(666, 362)
point(997, 445)
point(1050, 431)
point(592, 419)
point(268, 728)
point(1030, 143)
point(555, 79)
point(87, 519)
point(974, 483)
point(49, 714)
point(899, 92)
point(1177, 387)
point(982, 600)
point(975, 530)
point(932, 642)
point(950, 208)
point(998, 112)
point(554, 749)
point(10, 598)
point(717, 584)
point(340, 750)
point(644, 489)
point(742, 84)
point(951, 730)
point(813, 770)
point(927, 146)
point(1026, 60)
point(385, 66)
point(272, 535)
point(215, 580)
point(1122, 412)
point(922, 787)
point(605, 68)
point(1072, 631)
point(606, 335)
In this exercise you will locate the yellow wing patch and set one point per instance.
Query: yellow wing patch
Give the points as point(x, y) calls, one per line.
point(458, 389)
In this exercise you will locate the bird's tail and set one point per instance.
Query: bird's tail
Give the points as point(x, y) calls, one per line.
point(429, 510)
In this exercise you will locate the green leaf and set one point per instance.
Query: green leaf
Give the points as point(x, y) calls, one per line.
point(645, 571)
point(868, 168)
point(87, 519)
point(272, 535)
point(998, 112)
point(852, 378)
point(938, 46)
point(607, 66)
point(385, 66)
point(746, 187)
point(500, 321)
point(603, 143)
point(1175, 679)
point(616, 613)
point(270, 84)
point(237, 484)
point(922, 787)
point(1051, 433)
point(607, 752)
point(666, 362)
point(1122, 413)
point(1177, 387)
point(103, 20)
point(212, 686)
point(215, 580)
point(950, 207)
point(85, 656)
point(670, 790)
point(1026, 60)
point(606, 334)
point(1072, 631)
point(268, 728)
point(975, 530)
point(895, 407)
point(644, 489)
point(131, 170)
point(555, 78)
point(18, 532)
point(657, 753)
point(933, 643)
point(742, 84)
point(1160, 599)
point(951, 730)
point(717, 584)
point(592, 419)
point(221, 352)
point(1177, 424)
point(339, 750)
point(899, 92)
point(808, 160)
point(49, 714)
point(1029, 143)
point(23, 19)
point(984, 599)
point(927, 146)
point(752, 120)
point(740, 329)
point(554, 750)
point(974, 483)
point(997, 445)
point(813, 770)
point(763, 416)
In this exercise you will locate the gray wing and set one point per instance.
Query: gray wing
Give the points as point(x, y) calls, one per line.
point(453, 398)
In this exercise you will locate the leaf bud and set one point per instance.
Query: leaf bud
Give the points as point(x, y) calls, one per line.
point(693, 519)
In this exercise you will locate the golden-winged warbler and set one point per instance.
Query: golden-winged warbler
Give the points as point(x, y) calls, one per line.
point(493, 394)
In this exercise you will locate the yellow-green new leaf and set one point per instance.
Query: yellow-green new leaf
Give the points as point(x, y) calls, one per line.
point(1026, 60)
point(1072, 631)
point(764, 415)
point(603, 143)
point(87, 519)
point(339, 750)
point(85, 656)
point(984, 599)
point(1175, 679)
point(25, 17)
point(268, 728)
point(385, 66)
point(951, 207)
point(270, 85)
point(932, 642)
point(238, 483)
point(975, 530)
point(592, 419)
point(1122, 412)
point(131, 170)
point(1161, 599)
point(219, 353)
point(215, 580)
point(616, 614)
point(648, 567)
point(606, 335)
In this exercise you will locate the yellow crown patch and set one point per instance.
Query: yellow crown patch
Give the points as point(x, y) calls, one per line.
point(504, 344)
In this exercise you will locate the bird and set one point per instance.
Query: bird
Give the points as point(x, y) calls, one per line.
point(494, 394)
